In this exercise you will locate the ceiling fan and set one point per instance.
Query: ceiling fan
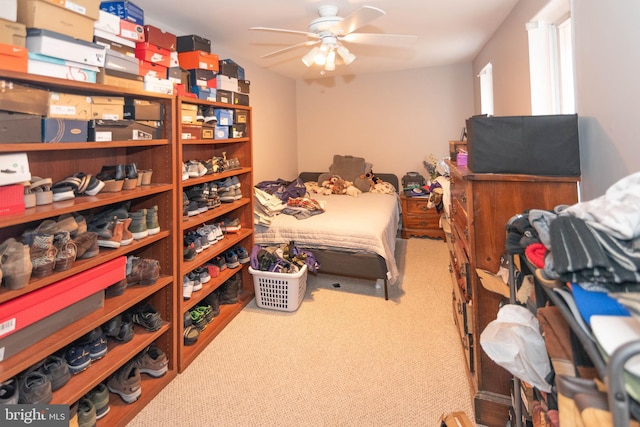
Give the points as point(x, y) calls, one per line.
point(328, 32)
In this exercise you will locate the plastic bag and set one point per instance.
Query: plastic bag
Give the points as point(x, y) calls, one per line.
point(514, 342)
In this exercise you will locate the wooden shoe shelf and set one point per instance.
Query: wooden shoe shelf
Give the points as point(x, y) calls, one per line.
point(59, 160)
point(204, 149)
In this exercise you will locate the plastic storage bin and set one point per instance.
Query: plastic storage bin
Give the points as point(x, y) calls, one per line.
point(279, 291)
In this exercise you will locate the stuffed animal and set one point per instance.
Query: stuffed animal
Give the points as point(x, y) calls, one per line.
point(336, 184)
point(353, 191)
point(373, 179)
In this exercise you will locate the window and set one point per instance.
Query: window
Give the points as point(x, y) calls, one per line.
point(551, 60)
point(486, 89)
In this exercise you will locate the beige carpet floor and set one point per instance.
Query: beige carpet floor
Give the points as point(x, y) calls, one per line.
point(346, 357)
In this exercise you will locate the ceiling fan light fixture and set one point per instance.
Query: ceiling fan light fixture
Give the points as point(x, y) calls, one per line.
point(347, 57)
point(309, 58)
point(330, 63)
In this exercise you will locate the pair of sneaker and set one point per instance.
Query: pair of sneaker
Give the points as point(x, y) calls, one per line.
point(229, 195)
point(193, 281)
point(236, 256)
point(79, 354)
point(207, 115)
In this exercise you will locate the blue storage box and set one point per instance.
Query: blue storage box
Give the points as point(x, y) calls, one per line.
point(221, 132)
point(224, 116)
point(206, 93)
point(64, 130)
point(125, 10)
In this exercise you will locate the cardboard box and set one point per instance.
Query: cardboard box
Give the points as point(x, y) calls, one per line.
point(240, 116)
point(224, 116)
point(227, 83)
point(38, 331)
point(243, 86)
point(202, 78)
point(208, 132)
point(238, 130)
point(153, 84)
point(193, 42)
point(107, 22)
point(191, 132)
point(115, 42)
point(46, 16)
point(89, 8)
point(131, 31)
point(27, 309)
point(12, 199)
point(139, 109)
point(9, 10)
point(123, 130)
point(163, 39)
point(120, 79)
point(221, 132)
point(63, 130)
point(19, 128)
point(240, 98)
point(125, 10)
point(154, 54)
point(205, 93)
point(224, 96)
point(13, 33)
point(115, 60)
point(13, 58)
point(198, 59)
point(531, 145)
point(69, 106)
point(107, 107)
point(21, 98)
point(61, 46)
point(189, 114)
point(174, 74)
point(18, 164)
point(152, 70)
point(228, 68)
point(53, 67)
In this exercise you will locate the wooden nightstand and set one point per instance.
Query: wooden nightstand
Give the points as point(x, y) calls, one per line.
point(419, 220)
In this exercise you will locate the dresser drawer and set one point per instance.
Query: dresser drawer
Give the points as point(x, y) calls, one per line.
point(462, 318)
point(461, 267)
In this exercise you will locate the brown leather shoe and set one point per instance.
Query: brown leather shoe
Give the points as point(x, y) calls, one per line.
point(143, 271)
point(127, 236)
point(116, 228)
point(87, 245)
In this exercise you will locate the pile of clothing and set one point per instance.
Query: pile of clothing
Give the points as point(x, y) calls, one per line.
point(285, 258)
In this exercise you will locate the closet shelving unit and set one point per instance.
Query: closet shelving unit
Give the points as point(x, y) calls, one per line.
point(203, 149)
point(59, 160)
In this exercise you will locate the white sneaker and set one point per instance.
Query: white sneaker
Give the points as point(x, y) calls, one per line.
point(187, 287)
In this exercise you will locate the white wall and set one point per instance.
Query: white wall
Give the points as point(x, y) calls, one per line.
point(394, 120)
point(607, 61)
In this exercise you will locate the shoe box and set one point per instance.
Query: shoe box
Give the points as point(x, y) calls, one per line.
point(119, 61)
point(205, 93)
point(9, 10)
point(163, 39)
point(15, 169)
point(28, 309)
point(13, 58)
point(240, 98)
point(154, 54)
point(243, 86)
point(224, 116)
point(227, 83)
point(12, 197)
point(19, 127)
point(123, 130)
point(54, 67)
point(221, 132)
point(114, 42)
point(12, 33)
point(40, 330)
point(240, 116)
point(141, 109)
point(20, 98)
point(238, 130)
point(69, 106)
point(224, 96)
point(198, 59)
point(107, 107)
point(193, 42)
point(120, 79)
point(126, 10)
point(149, 69)
point(158, 85)
point(62, 46)
point(191, 132)
point(64, 130)
point(131, 31)
point(189, 114)
point(88, 8)
point(230, 68)
point(202, 78)
point(45, 15)
point(107, 22)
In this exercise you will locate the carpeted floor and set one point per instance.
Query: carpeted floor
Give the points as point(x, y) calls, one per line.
point(346, 357)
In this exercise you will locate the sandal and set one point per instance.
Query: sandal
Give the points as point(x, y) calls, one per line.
point(29, 197)
point(66, 189)
point(41, 187)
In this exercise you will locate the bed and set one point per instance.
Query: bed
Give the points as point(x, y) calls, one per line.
point(355, 236)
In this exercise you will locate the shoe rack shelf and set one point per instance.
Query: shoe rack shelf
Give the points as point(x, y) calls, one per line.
point(60, 160)
point(204, 149)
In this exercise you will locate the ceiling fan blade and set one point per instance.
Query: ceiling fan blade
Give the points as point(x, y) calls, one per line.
point(280, 30)
point(379, 39)
point(356, 19)
point(307, 43)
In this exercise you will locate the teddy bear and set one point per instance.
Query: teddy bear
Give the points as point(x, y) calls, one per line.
point(373, 179)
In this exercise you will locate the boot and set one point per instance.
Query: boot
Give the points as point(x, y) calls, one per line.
point(138, 224)
point(115, 228)
point(153, 227)
point(15, 262)
point(142, 271)
point(228, 292)
point(127, 236)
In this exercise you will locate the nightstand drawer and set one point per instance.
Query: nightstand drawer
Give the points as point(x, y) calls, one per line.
point(418, 206)
point(425, 221)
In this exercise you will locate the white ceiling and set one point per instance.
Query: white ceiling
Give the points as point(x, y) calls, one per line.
point(448, 31)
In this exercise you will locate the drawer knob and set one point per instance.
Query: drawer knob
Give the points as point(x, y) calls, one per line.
point(463, 196)
point(424, 208)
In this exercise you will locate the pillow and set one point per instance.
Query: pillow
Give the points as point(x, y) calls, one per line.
point(347, 167)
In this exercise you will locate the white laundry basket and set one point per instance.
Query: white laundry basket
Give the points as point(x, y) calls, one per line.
point(279, 291)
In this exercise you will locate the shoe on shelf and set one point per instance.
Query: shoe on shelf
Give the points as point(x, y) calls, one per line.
point(78, 357)
point(42, 253)
point(126, 329)
point(138, 226)
point(210, 116)
point(191, 334)
point(28, 197)
point(130, 177)
point(86, 245)
point(152, 361)
point(86, 413)
point(228, 291)
point(213, 299)
point(15, 263)
point(187, 287)
point(185, 172)
point(243, 255)
point(66, 251)
point(200, 114)
point(96, 341)
point(146, 316)
point(57, 370)
point(127, 236)
point(34, 388)
point(189, 250)
point(231, 259)
point(198, 319)
point(9, 392)
point(109, 232)
point(195, 279)
point(99, 396)
point(219, 262)
point(196, 169)
point(153, 226)
point(143, 271)
point(203, 274)
point(212, 269)
point(41, 187)
point(231, 225)
point(126, 383)
point(111, 327)
point(116, 289)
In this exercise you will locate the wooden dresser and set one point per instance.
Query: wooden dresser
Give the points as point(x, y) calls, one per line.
point(420, 220)
point(481, 206)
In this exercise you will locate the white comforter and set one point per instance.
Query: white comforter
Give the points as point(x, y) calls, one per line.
point(367, 223)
